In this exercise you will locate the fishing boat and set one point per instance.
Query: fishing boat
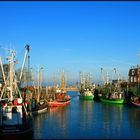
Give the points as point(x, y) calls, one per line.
point(39, 103)
point(59, 102)
point(59, 97)
point(112, 95)
point(135, 98)
point(135, 101)
point(86, 95)
point(86, 89)
point(112, 92)
point(15, 114)
point(32, 92)
point(39, 108)
point(114, 101)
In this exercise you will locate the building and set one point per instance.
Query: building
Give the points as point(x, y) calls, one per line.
point(134, 75)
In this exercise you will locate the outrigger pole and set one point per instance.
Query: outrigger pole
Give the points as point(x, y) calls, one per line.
point(27, 50)
point(3, 75)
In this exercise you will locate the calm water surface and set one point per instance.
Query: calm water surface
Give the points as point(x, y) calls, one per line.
point(88, 120)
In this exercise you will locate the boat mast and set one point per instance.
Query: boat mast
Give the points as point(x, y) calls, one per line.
point(63, 81)
point(3, 75)
point(107, 78)
point(80, 77)
point(28, 76)
point(90, 80)
point(27, 50)
point(86, 80)
point(39, 83)
point(11, 61)
point(59, 78)
point(114, 73)
point(33, 80)
point(102, 76)
point(83, 81)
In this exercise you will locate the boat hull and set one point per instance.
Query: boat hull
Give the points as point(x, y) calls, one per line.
point(113, 101)
point(22, 135)
point(136, 103)
point(86, 97)
point(14, 122)
point(57, 103)
point(40, 109)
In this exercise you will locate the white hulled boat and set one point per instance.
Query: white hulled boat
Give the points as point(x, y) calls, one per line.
point(15, 115)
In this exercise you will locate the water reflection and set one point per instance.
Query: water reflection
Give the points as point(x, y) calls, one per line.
point(88, 120)
point(85, 114)
point(58, 118)
point(111, 120)
point(39, 122)
point(134, 121)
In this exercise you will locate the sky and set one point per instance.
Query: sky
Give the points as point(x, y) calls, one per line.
point(75, 36)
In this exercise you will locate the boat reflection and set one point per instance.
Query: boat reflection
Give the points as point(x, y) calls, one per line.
point(86, 115)
point(134, 120)
point(111, 119)
point(88, 120)
point(38, 126)
point(57, 118)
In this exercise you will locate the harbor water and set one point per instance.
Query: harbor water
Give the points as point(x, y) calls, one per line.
point(88, 120)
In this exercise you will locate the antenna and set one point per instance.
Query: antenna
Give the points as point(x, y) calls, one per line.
point(113, 74)
point(102, 75)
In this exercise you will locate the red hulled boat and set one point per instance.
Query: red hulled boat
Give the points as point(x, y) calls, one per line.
point(60, 99)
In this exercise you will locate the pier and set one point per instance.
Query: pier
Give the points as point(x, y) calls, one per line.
point(72, 88)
